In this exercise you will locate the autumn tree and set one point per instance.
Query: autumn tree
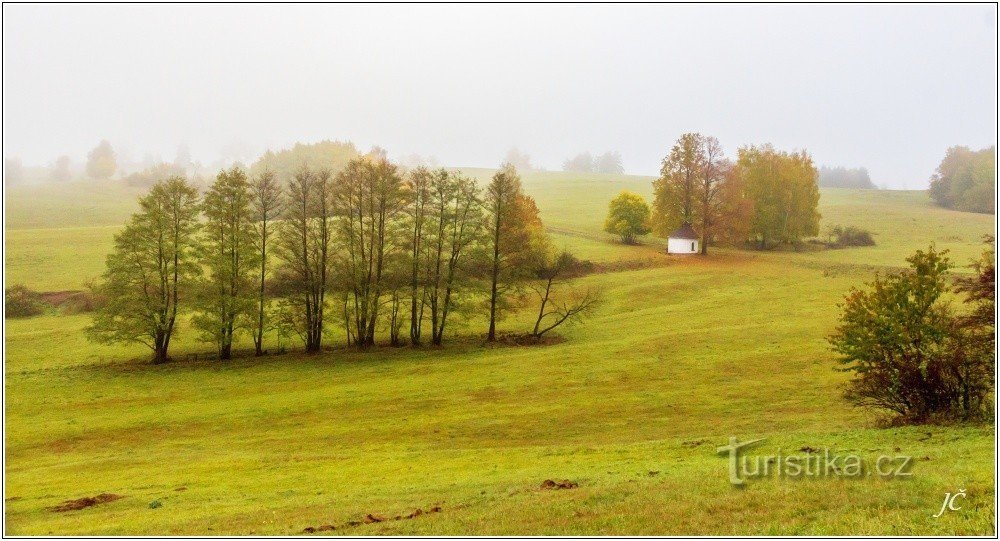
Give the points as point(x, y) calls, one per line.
point(101, 161)
point(675, 199)
point(267, 203)
point(303, 246)
point(514, 230)
point(369, 203)
point(784, 193)
point(151, 268)
point(229, 253)
point(628, 217)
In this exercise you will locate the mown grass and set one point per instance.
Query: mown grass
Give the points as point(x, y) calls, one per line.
point(684, 353)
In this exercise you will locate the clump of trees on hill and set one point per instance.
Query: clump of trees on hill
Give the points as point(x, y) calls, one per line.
point(966, 180)
point(766, 197)
point(366, 247)
point(910, 352)
point(610, 162)
point(843, 177)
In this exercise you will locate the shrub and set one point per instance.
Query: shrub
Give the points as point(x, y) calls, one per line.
point(22, 302)
point(844, 236)
point(628, 217)
point(82, 302)
point(909, 352)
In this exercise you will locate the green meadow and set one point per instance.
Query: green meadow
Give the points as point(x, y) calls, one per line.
point(631, 404)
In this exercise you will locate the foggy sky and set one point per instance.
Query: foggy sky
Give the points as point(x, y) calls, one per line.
point(887, 87)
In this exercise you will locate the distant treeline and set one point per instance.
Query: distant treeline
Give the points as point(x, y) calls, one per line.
point(966, 180)
point(844, 177)
point(609, 162)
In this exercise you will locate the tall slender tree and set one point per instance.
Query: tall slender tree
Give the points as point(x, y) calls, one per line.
point(267, 204)
point(151, 264)
point(304, 247)
point(709, 190)
point(455, 217)
point(514, 229)
point(228, 252)
point(418, 183)
point(369, 202)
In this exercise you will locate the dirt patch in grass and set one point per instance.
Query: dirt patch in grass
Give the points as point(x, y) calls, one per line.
point(83, 503)
point(549, 484)
point(521, 339)
point(371, 518)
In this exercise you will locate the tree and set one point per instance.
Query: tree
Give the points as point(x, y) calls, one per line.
point(581, 163)
point(229, 254)
point(628, 217)
point(101, 162)
point(709, 189)
point(980, 290)
point(520, 160)
point(369, 202)
point(454, 220)
point(676, 190)
point(735, 210)
point(151, 265)
point(418, 184)
point(514, 232)
point(557, 307)
point(60, 171)
point(303, 245)
point(907, 350)
point(966, 180)
point(784, 194)
point(610, 162)
point(266, 206)
point(13, 171)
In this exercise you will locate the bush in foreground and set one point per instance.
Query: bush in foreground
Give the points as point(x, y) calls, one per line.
point(910, 353)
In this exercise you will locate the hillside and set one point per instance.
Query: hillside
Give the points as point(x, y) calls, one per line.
point(684, 354)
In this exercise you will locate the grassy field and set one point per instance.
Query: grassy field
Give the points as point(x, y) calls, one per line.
point(632, 405)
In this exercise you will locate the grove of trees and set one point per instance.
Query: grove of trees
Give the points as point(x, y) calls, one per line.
point(766, 197)
point(365, 248)
point(966, 180)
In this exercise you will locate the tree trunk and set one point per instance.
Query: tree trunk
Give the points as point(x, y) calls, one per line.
point(160, 349)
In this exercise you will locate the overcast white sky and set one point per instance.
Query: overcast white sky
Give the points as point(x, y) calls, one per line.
point(887, 87)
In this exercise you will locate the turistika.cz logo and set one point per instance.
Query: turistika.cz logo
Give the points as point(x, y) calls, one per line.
point(813, 463)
